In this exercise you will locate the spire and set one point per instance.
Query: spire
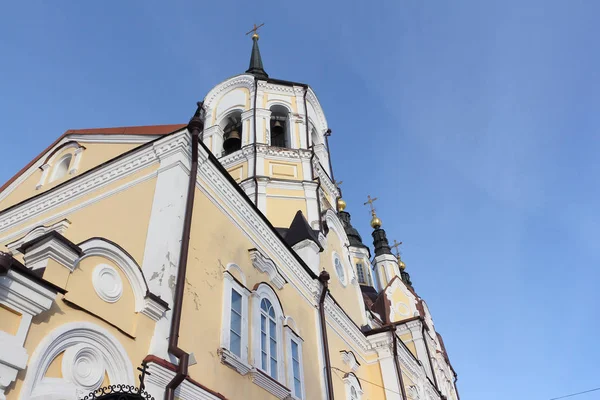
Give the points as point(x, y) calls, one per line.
point(403, 274)
point(380, 241)
point(256, 65)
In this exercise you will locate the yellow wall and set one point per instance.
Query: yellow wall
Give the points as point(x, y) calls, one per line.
point(122, 217)
point(284, 170)
point(210, 252)
point(281, 211)
point(347, 296)
point(9, 320)
point(93, 155)
point(239, 172)
point(80, 291)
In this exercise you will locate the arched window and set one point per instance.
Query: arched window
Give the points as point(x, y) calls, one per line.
point(353, 388)
point(279, 127)
point(232, 132)
point(268, 338)
point(61, 168)
point(267, 328)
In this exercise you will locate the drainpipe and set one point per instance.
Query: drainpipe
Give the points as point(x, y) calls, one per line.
point(429, 357)
point(396, 363)
point(324, 279)
point(255, 151)
point(195, 126)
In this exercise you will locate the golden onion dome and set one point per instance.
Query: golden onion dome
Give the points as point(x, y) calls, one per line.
point(401, 264)
point(341, 204)
point(375, 222)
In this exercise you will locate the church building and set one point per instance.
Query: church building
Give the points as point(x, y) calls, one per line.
point(216, 256)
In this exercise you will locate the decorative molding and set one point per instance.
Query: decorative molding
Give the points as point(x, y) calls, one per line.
point(107, 283)
point(270, 384)
point(102, 248)
point(95, 351)
point(158, 378)
point(350, 360)
point(239, 81)
point(60, 227)
point(85, 184)
point(153, 308)
point(266, 265)
point(113, 138)
point(37, 255)
point(233, 361)
point(311, 98)
point(19, 293)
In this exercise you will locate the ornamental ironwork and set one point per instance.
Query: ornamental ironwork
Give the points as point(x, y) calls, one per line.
point(123, 392)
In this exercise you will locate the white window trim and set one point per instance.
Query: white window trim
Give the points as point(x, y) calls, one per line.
point(55, 166)
point(350, 382)
point(344, 281)
point(265, 292)
point(291, 336)
point(240, 363)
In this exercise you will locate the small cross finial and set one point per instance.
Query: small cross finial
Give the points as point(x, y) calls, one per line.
point(144, 372)
point(338, 183)
point(255, 30)
point(370, 203)
point(395, 247)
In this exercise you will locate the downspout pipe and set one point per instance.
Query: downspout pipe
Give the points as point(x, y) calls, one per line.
point(327, 134)
point(396, 362)
point(429, 357)
point(195, 126)
point(324, 279)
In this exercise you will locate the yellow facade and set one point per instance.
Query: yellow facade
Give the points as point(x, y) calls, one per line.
point(235, 246)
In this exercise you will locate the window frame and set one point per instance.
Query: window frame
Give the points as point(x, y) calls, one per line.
point(53, 176)
point(343, 280)
point(351, 381)
point(239, 362)
point(264, 291)
point(292, 336)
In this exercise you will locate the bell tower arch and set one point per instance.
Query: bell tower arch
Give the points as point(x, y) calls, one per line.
point(270, 134)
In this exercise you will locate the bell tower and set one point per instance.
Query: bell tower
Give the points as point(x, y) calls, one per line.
point(271, 136)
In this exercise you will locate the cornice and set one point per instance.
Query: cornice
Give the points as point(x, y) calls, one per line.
point(89, 182)
point(266, 265)
point(246, 81)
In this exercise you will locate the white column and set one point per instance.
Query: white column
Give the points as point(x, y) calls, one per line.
point(419, 341)
point(163, 241)
point(76, 161)
point(312, 206)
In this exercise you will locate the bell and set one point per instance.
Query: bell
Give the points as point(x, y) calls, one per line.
point(277, 134)
point(233, 142)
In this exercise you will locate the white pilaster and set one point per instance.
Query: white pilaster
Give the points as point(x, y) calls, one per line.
point(163, 241)
point(45, 170)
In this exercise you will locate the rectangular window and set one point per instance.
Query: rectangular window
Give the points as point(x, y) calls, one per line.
point(361, 273)
point(235, 326)
point(296, 370)
point(295, 375)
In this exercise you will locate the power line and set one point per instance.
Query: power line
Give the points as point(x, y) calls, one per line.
point(575, 394)
point(362, 380)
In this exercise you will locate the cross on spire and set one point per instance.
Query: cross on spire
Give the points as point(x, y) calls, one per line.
point(395, 247)
point(255, 30)
point(370, 203)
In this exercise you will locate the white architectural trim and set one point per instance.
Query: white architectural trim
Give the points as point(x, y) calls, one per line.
point(343, 278)
point(277, 389)
point(234, 267)
point(266, 265)
point(351, 382)
point(350, 360)
point(107, 283)
point(94, 348)
point(101, 248)
point(37, 256)
point(19, 293)
point(60, 227)
point(292, 336)
point(113, 138)
point(238, 362)
point(87, 183)
point(264, 291)
point(158, 378)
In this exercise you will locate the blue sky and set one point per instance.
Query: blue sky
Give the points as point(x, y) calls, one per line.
point(475, 122)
